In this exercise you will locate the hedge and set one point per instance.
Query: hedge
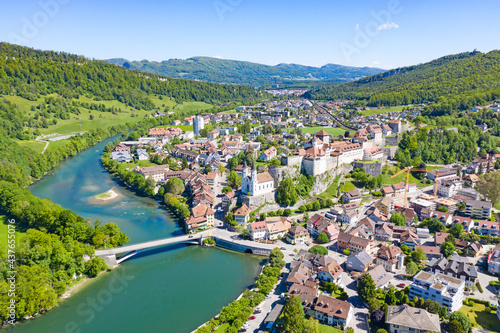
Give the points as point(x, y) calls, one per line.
point(479, 287)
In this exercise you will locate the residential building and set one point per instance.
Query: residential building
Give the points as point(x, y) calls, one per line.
point(474, 249)
point(457, 267)
point(349, 217)
point(431, 252)
point(441, 174)
point(488, 228)
point(277, 227)
point(420, 204)
point(410, 239)
point(380, 276)
point(268, 154)
point(330, 272)
point(478, 209)
point(257, 230)
point(198, 124)
point(332, 311)
point(142, 154)
point(442, 217)
point(446, 290)
point(407, 319)
point(449, 187)
point(297, 235)
point(494, 260)
point(352, 196)
point(241, 215)
point(391, 258)
point(408, 213)
point(353, 243)
point(158, 172)
point(385, 205)
point(466, 222)
point(383, 232)
point(121, 156)
point(358, 262)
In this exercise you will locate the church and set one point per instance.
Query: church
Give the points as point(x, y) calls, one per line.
point(254, 184)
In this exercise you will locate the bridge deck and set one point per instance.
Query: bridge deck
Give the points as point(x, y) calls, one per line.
point(150, 244)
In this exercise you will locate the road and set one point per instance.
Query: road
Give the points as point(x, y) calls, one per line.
point(360, 321)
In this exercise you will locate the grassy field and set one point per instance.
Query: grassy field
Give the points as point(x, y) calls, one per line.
point(480, 318)
point(102, 119)
point(34, 145)
point(329, 329)
point(221, 328)
point(331, 191)
point(390, 109)
point(387, 180)
point(335, 131)
point(347, 186)
point(4, 234)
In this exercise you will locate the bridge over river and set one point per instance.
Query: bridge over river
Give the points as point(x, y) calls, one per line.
point(223, 238)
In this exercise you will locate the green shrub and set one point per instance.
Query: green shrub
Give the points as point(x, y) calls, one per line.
point(479, 287)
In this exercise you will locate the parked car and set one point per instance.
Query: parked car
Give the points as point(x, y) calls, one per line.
point(252, 318)
point(401, 285)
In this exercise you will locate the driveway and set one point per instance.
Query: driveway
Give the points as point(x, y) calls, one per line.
point(360, 321)
point(489, 293)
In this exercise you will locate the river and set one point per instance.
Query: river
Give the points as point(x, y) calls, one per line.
point(170, 289)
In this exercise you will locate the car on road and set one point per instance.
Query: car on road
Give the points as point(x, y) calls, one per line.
point(190, 237)
point(252, 318)
point(283, 248)
point(401, 285)
point(258, 310)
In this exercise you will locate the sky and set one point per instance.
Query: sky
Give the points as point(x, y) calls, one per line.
point(384, 34)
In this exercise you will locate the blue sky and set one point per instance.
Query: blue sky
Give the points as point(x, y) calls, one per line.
point(385, 34)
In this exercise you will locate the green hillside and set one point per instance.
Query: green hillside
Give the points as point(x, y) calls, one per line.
point(244, 72)
point(454, 82)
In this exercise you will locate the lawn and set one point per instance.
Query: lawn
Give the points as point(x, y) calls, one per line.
point(221, 328)
point(480, 318)
point(390, 109)
point(331, 191)
point(497, 205)
point(347, 186)
point(335, 131)
point(329, 329)
point(4, 233)
point(140, 164)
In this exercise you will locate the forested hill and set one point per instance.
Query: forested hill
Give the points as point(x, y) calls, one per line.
point(453, 82)
point(31, 73)
point(244, 72)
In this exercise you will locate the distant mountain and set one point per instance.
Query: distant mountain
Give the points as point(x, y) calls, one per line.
point(454, 82)
point(244, 72)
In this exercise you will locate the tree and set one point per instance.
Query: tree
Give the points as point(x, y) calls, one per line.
point(311, 325)
point(94, 266)
point(390, 297)
point(447, 249)
point(489, 186)
point(457, 230)
point(434, 225)
point(442, 209)
point(276, 258)
point(226, 189)
point(373, 304)
point(464, 321)
point(233, 179)
point(377, 317)
point(456, 327)
point(175, 186)
point(381, 330)
point(318, 249)
point(411, 268)
point(323, 238)
point(432, 306)
point(286, 193)
point(343, 296)
point(185, 164)
point(418, 254)
point(366, 288)
point(398, 219)
point(293, 316)
point(346, 251)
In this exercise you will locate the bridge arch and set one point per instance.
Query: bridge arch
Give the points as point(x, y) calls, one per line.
point(249, 251)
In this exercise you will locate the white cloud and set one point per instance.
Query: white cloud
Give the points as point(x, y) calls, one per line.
point(357, 26)
point(375, 62)
point(387, 26)
point(218, 57)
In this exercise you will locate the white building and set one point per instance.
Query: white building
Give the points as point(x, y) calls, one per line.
point(254, 184)
point(446, 290)
point(449, 187)
point(257, 230)
point(407, 319)
point(198, 124)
